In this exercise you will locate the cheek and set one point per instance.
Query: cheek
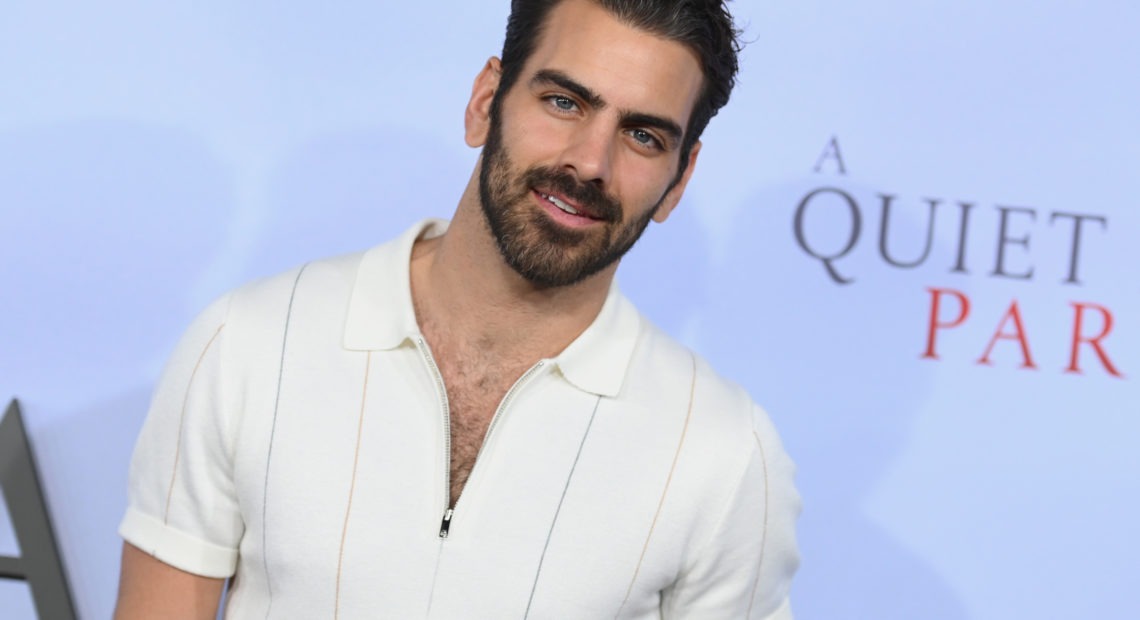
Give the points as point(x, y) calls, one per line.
point(534, 136)
point(640, 181)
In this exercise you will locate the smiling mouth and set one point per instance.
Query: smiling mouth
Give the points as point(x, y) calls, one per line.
point(561, 204)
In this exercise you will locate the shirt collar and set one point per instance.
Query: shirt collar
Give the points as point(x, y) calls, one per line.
point(380, 311)
point(381, 317)
point(598, 358)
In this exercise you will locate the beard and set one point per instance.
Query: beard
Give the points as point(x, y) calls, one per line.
point(542, 251)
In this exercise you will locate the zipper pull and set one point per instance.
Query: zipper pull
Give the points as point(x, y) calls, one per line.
point(446, 525)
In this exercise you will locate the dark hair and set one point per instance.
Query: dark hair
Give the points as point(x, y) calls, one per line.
point(704, 26)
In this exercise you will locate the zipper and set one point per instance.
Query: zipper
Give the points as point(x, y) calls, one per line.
point(445, 527)
point(445, 409)
point(449, 512)
point(503, 407)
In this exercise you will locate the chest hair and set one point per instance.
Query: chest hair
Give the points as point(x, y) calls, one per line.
point(475, 383)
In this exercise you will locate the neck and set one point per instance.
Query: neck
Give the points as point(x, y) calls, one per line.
point(466, 293)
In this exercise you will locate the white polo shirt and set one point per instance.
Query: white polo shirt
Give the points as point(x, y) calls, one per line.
point(299, 441)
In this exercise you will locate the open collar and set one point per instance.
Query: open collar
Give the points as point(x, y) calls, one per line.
point(380, 311)
point(598, 358)
point(381, 317)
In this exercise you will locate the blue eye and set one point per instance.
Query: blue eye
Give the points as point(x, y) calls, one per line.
point(562, 103)
point(644, 137)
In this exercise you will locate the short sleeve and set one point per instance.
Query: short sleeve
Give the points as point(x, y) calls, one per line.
point(182, 505)
point(746, 569)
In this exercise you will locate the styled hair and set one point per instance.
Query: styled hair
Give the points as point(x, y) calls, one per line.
point(704, 26)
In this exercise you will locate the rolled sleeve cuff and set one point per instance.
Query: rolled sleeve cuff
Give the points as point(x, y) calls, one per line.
point(177, 548)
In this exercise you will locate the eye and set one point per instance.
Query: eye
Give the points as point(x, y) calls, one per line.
point(646, 138)
point(562, 103)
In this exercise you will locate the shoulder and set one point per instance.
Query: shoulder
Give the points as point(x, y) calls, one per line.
point(729, 437)
point(248, 324)
point(327, 278)
point(731, 468)
point(661, 367)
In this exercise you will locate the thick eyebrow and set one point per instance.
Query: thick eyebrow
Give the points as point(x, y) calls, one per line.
point(561, 80)
point(550, 76)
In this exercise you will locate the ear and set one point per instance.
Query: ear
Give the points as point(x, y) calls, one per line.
point(477, 119)
point(674, 195)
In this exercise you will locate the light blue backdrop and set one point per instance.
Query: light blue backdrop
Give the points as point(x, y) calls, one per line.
point(153, 155)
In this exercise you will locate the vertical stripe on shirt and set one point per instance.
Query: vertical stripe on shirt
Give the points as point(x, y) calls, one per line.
point(664, 492)
point(182, 421)
point(764, 536)
point(272, 433)
point(554, 521)
point(351, 484)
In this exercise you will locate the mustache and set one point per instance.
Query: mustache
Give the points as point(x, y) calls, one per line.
point(590, 197)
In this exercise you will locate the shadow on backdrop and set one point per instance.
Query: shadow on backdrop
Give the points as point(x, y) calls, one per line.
point(664, 273)
point(107, 224)
point(349, 192)
point(809, 352)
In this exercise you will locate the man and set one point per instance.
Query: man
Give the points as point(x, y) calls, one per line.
point(471, 421)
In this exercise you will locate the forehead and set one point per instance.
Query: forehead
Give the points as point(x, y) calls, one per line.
point(630, 68)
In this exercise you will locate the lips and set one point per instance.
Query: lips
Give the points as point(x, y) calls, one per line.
point(566, 206)
point(561, 204)
point(567, 195)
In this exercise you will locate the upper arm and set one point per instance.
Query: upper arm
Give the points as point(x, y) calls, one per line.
point(746, 567)
point(183, 505)
point(149, 588)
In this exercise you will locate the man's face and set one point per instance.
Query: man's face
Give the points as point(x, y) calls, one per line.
point(584, 149)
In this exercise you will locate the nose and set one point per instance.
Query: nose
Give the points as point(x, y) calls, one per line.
point(589, 151)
